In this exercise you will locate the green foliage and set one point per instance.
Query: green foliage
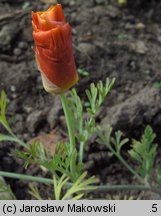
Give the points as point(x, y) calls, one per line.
point(4, 122)
point(118, 142)
point(114, 143)
point(70, 180)
point(35, 154)
point(65, 165)
point(157, 85)
point(2, 104)
point(82, 72)
point(5, 191)
point(3, 119)
point(61, 162)
point(144, 152)
point(96, 96)
point(86, 125)
point(122, 36)
point(158, 171)
point(122, 2)
point(34, 192)
point(97, 93)
point(76, 191)
point(63, 190)
point(77, 109)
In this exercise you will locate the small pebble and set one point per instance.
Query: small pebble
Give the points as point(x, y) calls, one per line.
point(14, 95)
point(139, 26)
point(17, 52)
point(72, 3)
point(13, 88)
point(28, 109)
point(22, 45)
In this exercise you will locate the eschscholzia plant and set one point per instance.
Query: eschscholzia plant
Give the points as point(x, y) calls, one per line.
point(55, 60)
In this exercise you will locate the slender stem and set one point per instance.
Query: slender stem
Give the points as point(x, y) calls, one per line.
point(81, 151)
point(20, 142)
point(13, 136)
point(126, 164)
point(82, 144)
point(17, 140)
point(68, 117)
point(128, 187)
point(99, 188)
point(26, 177)
point(7, 127)
point(130, 168)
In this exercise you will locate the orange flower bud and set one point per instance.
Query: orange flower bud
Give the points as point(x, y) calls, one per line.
point(53, 49)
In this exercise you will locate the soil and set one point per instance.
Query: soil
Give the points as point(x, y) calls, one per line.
point(108, 41)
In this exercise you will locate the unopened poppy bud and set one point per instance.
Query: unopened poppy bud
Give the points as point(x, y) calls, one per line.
point(53, 49)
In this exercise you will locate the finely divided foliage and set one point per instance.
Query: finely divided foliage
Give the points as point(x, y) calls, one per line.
point(70, 179)
point(144, 152)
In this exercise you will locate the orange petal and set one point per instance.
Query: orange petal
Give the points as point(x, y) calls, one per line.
point(54, 13)
point(54, 52)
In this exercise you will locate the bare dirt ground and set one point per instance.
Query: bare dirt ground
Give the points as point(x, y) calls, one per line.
point(108, 41)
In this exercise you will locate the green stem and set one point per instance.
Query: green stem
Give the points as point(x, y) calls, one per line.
point(6, 126)
point(98, 188)
point(13, 136)
point(88, 135)
point(81, 151)
point(20, 142)
point(126, 164)
point(69, 121)
point(130, 168)
point(128, 187)
point(26, 177)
